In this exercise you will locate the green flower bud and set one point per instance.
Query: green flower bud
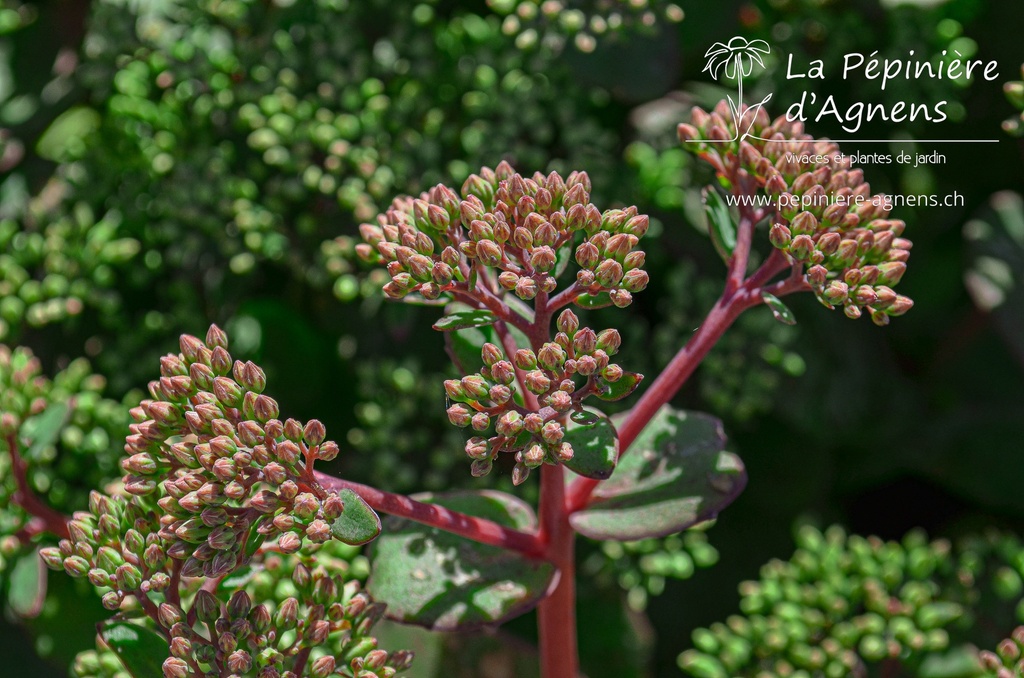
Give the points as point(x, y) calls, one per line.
point(635, 280)
point(459, 416)
point(587, 255)
point(476, 448)
point(526, 289)
point(489, 252)
point(551, 356)
point(490, 354)
point(608, 273)
point(474, 386)
point(503, 372)
point(543, 259)
point(621, 298)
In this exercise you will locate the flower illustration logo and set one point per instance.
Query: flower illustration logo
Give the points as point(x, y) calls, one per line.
point(736, 60)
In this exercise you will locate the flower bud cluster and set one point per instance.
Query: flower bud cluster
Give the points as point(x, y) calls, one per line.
point(826, 217)
point(520, 230)
point(80, 446)
point(296, 605)
point(565, 371)
point(551, 22)
point(209, 454)
point(840, 602)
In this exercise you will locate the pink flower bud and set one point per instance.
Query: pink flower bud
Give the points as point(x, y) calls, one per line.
point(543, 259)
point(608, 273)
point(780, 236)
point(480, 421)
point(503, 372)
point(551, 356)
point(537, 382)
point(804, 223)
point(476, 448)
point(635, 280)
point(900, 306)
point(490, 354)
point(587, 255)
point(621, 298)
point(525, 359)
point(586, 365)
point(801, 247)
point(526, 289)
point(560, 401)
point(509, 424)
point(533, 456)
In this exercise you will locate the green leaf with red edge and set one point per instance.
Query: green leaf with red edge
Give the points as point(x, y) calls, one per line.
point(620, 389)
point(779, 309)
point(444, 581)
point(358, 524)
point(676, 474)
point(141, 651)
point(599, 300)
point(461, 320)
point(721, 226)
point(595, 446)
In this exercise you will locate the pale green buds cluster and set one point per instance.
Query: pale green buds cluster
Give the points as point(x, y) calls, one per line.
point(116, 545)
point(826, 217)
point(839, 603)
point(48, 273)
point(551, 22)
point(560, 375)
point(520, 230)
point(642, 568)
point(303, 614)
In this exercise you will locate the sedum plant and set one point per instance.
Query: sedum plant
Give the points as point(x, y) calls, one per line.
point(221, 549)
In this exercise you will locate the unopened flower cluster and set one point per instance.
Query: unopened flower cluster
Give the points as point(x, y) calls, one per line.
point(825, 218)
point(513, 236)
point(211, 477)
point(560, 375)
point(514, 232)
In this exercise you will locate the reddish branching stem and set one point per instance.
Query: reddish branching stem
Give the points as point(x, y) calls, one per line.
point(44, 518)
point(732, 303)
point(478, 529)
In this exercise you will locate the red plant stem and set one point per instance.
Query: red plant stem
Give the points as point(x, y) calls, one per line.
point(478, 529)
point(725, 311)
point(52, 521)
point(556, 614)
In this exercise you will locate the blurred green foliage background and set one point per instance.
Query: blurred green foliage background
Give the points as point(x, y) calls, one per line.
point(166, 164)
